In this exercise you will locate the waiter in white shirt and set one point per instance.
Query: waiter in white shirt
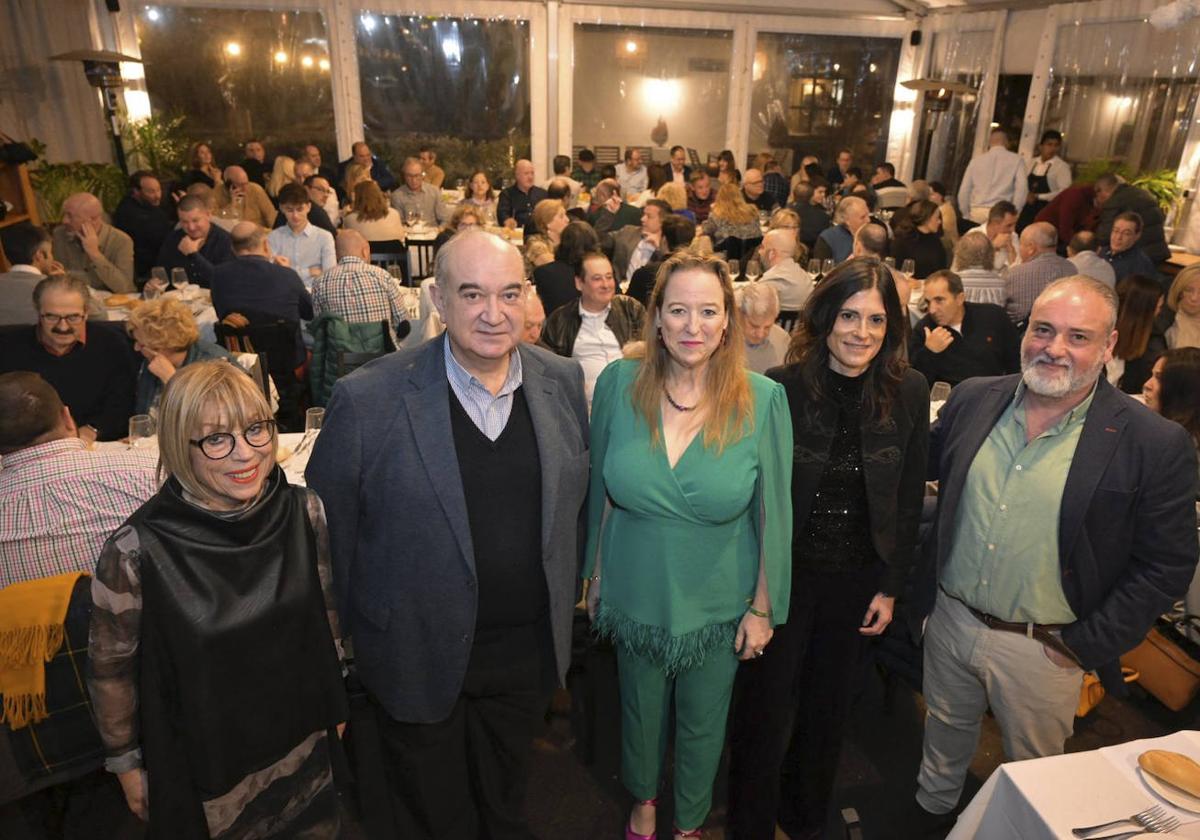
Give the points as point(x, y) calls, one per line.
point(994, 176)
point(1048, 176)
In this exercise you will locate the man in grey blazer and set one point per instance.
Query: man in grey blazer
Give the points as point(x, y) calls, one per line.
point(634, 247)
point(453, 476)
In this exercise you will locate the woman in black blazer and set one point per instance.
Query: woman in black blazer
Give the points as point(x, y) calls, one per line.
point(860, 419)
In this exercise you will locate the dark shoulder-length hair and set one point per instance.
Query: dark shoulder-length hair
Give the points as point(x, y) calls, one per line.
point(809, 350)
point(1179, 389)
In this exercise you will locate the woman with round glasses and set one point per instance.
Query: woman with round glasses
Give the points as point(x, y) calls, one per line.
point(214, 671)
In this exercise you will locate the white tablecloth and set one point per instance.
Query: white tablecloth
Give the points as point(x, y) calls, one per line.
point(1047, 797)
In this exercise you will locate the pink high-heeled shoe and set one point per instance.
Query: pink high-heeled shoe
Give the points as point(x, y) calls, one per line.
point(630, 834)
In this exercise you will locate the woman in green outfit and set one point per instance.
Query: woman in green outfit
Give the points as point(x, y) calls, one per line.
point(688, 552)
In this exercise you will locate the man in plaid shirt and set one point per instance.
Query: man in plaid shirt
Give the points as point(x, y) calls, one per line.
point(58, 501)
point(356, 291)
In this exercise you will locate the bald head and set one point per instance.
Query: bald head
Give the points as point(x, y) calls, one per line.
point(351, 243)
point(236, 177)
point(523, 173)
point(1038, 238)
point(249, 239)
point(778, 245)
point(80, 209)
point(752, 183)
point(871, 241)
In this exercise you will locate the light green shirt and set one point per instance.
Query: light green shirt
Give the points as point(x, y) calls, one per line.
point(1004, 557)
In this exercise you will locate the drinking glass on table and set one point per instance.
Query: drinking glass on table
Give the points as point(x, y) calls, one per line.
point(908, 267)
point(814, 267)
point(313, 420)
point(141, 429)
point(827, 266)
point(733, 268)
point(890, 262)
point(414, 217)
point(940, 392)
point(753, 270)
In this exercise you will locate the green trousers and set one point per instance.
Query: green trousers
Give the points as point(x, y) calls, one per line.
point(701, 706)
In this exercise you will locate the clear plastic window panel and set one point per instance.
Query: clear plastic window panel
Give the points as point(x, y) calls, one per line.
point(815, 94)
point(236, 74)
point(652, 88)
point(460, 85)
point(947, 138)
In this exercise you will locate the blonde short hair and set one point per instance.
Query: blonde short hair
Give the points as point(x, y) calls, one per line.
point(164, 324)
point(1182, 280)
point(189, 395)
point(674, 194)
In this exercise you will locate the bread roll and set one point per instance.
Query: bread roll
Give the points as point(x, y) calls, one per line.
point(1172, 768)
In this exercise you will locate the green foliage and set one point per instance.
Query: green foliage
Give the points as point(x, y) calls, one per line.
point(1163, 184)
point(54, 182)
point(157, 143)
point(458, 156)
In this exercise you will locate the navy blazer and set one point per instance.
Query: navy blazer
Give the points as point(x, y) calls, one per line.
point(403, 564)
point(1127, 527)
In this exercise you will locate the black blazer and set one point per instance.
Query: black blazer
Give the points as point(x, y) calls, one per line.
point(989, 345)
point(1127, 528)
point(894, 456)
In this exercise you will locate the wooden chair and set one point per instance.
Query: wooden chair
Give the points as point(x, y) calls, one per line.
point(275, 342)
point(694, 157)
point(421, 262)
point(647, 153)
point(575, 150)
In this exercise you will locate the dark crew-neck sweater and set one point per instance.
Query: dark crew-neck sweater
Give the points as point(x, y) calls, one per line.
point(502, 484)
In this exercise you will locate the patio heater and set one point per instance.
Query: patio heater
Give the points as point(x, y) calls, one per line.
point(103, 71)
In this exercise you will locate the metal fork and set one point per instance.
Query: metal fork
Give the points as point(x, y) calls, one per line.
point(1154, 819)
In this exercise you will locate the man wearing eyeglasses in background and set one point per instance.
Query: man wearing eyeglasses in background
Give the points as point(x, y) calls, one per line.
point(91, 369)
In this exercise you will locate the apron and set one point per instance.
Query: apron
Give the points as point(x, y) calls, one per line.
point(1038, 184)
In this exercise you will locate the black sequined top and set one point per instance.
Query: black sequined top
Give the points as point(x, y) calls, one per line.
point(837, 533)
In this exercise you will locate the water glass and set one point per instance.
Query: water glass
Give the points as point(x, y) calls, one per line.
point(733, 268)
point(141, 429)
point(827, 266)
point(158, 275)
point(814, 267)
point(908, 267)
point(753, 270)
point(940, 392)
point(313, 419)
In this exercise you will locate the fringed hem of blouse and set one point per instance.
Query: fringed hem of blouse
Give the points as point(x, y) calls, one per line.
point(674, 654)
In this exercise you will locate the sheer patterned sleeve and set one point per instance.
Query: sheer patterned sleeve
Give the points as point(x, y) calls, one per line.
point(316, 516)
point(773, 499)
point(114, 645)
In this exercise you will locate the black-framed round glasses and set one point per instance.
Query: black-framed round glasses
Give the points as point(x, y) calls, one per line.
point(219, 444)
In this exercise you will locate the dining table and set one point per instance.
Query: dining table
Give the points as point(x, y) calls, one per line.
point(198, 300)
point(1044, 798)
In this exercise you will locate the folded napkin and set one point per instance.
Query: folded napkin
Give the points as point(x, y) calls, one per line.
point(31, 632)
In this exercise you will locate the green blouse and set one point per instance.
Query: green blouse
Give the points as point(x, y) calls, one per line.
point(681, 547)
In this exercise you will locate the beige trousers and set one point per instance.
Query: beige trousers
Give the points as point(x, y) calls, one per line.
point(969, 667)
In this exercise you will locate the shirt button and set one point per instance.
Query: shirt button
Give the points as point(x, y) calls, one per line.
point(991, 547)
point(984, 582)
point(1018, 467)
point(465, 638)
point(1003, 508)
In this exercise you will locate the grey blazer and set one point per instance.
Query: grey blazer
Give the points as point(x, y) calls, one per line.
point(387, 471)
point(625, 242)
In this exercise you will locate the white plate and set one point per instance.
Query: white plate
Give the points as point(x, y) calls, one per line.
point(1170, 793)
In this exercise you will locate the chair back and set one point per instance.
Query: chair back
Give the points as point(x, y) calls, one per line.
point(789, 319)
point(693, 156)
point(388, 252)
point(274, 341)
point(421, 265)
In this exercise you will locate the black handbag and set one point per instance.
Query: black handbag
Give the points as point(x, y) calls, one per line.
point(13, 153)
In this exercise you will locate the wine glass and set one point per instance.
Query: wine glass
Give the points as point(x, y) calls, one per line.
point(827, 266)
point(814, 267)
point(890, 262)
point(908, 267)
point(141, 429)
point(940, 392)
point(733, 268)
point(414, 217)
point(179, 279)
point(753, 270)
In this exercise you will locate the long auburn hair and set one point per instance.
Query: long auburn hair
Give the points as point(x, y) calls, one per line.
point(731, 207)
point(728, 403)
point(369, 203)
point(1139, 297)
point(809, 350)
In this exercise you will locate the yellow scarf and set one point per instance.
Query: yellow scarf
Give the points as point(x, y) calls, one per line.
point(31, 632)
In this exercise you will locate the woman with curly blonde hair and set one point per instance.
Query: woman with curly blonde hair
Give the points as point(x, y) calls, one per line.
point(166, 335)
